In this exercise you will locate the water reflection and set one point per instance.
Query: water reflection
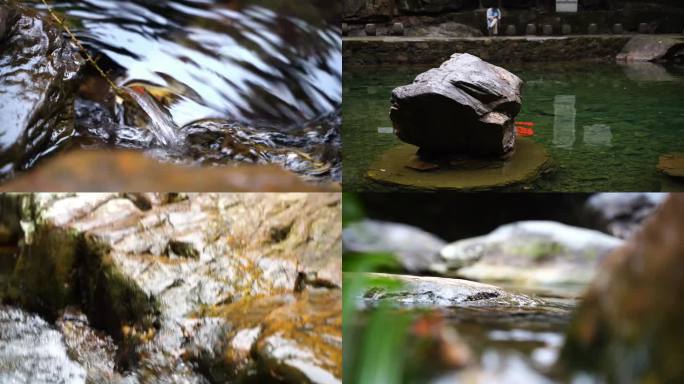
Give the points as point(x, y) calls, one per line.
point(237, 59)
point(644, 71)
point(598, 135)
point(564, 121)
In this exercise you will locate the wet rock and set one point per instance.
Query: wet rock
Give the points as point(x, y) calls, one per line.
point(534, 253)
point(427, 291)
point(649, 48)
point(93, 350)
point(292, 338)
point(414, 248)
point(311, 149)
point(33, 352)
point(133, 171)
point(672, 164)
point(465, 106)
point(622, 214)
point(38, 69)
point(142, 275)
point(630, 323)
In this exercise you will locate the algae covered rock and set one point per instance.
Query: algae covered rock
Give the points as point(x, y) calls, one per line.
point(38, 69)
point(147, 267)
point(529, 252)
point(465, 106)
point(630, 323)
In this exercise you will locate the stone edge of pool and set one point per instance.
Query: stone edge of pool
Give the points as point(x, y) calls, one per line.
point(389, 50)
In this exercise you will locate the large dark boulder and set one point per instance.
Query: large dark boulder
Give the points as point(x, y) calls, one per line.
point(38, 67)
point(465, 106)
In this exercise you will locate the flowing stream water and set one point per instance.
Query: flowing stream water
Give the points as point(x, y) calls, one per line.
point(269, 68)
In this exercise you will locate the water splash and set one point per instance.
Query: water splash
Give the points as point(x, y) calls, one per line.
point(161, 125)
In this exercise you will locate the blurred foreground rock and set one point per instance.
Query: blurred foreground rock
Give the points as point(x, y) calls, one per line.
point(622, 214)
point(630, 324)
point(133, 171)
point(258, 274)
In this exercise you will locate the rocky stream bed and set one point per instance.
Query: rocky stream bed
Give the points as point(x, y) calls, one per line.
point(175, 288)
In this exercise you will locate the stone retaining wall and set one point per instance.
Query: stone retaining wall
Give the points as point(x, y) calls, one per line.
point(433, 51)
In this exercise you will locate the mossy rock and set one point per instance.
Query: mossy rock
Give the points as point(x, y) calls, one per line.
point(44, 278)
point(525, 165)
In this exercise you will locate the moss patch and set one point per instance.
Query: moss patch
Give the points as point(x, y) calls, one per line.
point(526, 164)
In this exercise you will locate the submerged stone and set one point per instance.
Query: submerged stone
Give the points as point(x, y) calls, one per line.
point(465, 106)
point(529, 253)
point(527, 163)
point(428, 291)
point(630, 323)
point(38, 69)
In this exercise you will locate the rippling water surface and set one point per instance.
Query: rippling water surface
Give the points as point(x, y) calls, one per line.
point(277, 61)
point(271, 66)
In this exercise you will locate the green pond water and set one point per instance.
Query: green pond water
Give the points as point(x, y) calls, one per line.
point(604, 125)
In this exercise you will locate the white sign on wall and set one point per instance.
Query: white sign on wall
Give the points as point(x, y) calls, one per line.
point(566, 5)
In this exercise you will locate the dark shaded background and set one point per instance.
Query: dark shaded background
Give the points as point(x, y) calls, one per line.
point(458, 215)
